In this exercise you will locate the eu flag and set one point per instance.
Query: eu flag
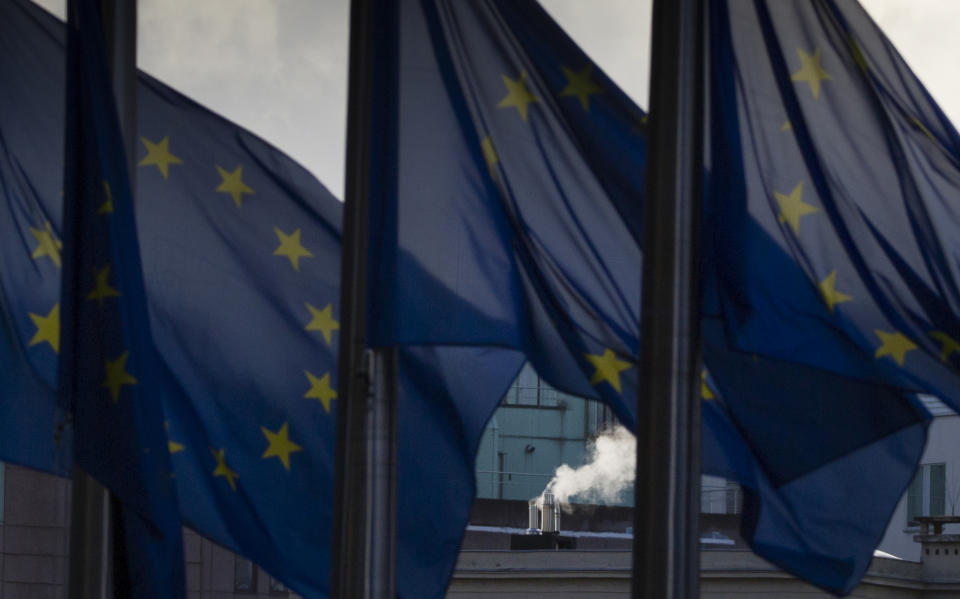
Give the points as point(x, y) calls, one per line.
point(506, 212)
point(834, 234)
point(836, 230)
point(107, 372)
point(240, 255)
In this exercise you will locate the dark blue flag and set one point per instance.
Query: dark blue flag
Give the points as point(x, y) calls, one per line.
point(240, 251)
point(832, 230)
point(836, 230)
point(108, 365)
point(844, 184)
point(845, 176)
point(506, 212)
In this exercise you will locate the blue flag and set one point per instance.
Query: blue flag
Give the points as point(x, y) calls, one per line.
point(509, 201)
point(833, 235)
point(836, 230)
point(240, 252)
point(107, 372)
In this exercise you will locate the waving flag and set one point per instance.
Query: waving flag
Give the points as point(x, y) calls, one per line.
point(844, 184)
point(833, 227)
point(513, 222)
point(240, 251)
point(510, 203)
point(107, 372)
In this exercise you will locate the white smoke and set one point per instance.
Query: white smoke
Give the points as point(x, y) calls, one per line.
point(609, 471)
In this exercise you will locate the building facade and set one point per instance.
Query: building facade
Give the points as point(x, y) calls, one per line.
point(35, 541)
point(935, 491)
point(538, 428)
point(534, 430)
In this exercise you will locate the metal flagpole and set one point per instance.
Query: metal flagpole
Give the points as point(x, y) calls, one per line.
point(96, 571)
point(666, 548)
point(365, 512)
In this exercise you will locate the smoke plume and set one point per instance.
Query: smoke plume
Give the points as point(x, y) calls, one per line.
point(609, 471)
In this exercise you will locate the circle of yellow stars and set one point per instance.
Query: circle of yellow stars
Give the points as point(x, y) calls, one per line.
point(279, 445)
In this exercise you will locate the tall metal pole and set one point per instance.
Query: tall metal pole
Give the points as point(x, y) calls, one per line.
point(93, 568)
point(666, 548)
point(365, 512)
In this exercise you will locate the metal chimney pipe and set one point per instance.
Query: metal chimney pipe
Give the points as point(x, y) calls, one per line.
point(533, 518)
point(549, 519)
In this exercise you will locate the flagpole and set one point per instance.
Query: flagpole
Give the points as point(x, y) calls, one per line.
point(97, 563)
point(365, 512)
point(666, 547)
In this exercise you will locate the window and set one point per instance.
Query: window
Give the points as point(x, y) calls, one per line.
point(719, 496)
point(927, 493)
point(244, 576)
point(277, 587)
point(530, 390)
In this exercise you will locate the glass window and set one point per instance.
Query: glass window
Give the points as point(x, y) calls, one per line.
point(927, 493)
point(244, 576)
point(719, 496)
point(938, 489)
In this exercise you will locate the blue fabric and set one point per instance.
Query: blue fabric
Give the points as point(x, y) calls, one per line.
point(536, 253)
point(108, 371)
point(507, 205)
point(244, 324)
point(832, 240)
point(874, 163)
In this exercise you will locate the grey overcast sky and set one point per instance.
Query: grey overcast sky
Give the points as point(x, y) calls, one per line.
point(279, 67)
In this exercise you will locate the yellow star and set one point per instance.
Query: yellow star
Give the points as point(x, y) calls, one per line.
point(580, 85)
point(172, 446)
point(48, 328)
point(117, 376)
point(828, 288)
point(233, 184)
point(786, 126)
point(158, 154)
point(490, 155)
point(223, 470)
point(518, 96)
point(280, 446)
point(705, 392)
point(896, 345)
point(320, 389)
point(47, 244)
point(291, 247)
point(323, 321)
point(811, 71)
point(793, 208)
point(948, 345)
point(107, 206)
point(103, 290)
point(608, 368)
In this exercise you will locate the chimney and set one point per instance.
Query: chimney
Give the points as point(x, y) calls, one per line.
point(939, 553)
point(533, 518)
point(543, 527)
point(550, 514)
